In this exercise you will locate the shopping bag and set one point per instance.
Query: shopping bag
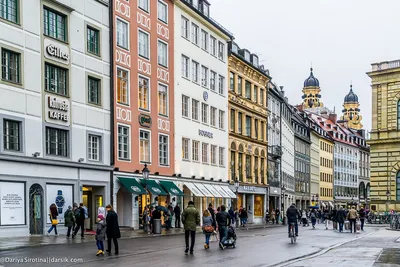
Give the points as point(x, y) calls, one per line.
point(347, 225)
point(358, 225)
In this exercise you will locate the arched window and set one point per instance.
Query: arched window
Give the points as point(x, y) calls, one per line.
point(398, 115)
point(240, 162)
point(361, 190)
point(398, 185)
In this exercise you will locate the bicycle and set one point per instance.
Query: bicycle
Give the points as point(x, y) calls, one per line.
point(292, 234)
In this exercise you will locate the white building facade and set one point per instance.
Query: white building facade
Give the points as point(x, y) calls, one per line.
point(54, 111)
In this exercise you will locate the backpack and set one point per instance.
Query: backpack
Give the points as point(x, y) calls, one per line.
point(312, 215)
point(86, 212)
point(77, 213)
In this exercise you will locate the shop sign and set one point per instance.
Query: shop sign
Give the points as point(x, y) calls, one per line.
point(56, 51)
point(135, 188)
point(249, 188)
point(145, 120)
point(206, 134)
point(61, 196)
point(57, 110)
point(12, 208)
point(173, 190)
point(155, 189)
point(205, 95)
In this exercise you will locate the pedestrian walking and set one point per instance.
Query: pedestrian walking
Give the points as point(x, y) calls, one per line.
point(69, 220)
point(53, 219)
point(113, 232)
point(232, 215)
point(208, 229)
point(266, 217)
point(223, 221)
point(100, 234)
point(277, 214)
point(177, 212)
point(146, 220)
point(362, 215)
point(340, 218)
point(243, 217)
point(80, 221)
point(212, 212)
point(190, 220)
point(313, 216)
point(352, 217)
point(304, 218)
point(273, 214)
point(326, 218)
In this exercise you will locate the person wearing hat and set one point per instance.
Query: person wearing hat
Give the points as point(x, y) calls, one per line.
point(100, 234)
point(69, 220)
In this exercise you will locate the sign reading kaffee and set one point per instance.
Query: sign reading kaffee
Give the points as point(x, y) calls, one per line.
point(56, 51)
point(57, 110)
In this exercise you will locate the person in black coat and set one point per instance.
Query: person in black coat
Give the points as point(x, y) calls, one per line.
point(211, 210)
point(340, 218)
point(177, 212)
point(113, 232)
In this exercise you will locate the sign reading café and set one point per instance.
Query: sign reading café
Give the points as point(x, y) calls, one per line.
point(56, 51)
point(57, 110)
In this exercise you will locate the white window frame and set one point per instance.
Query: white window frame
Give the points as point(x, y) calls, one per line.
point(91, 138)
point(213, 46)
point(127, 34)
point(129, 142)
point(184, 97)
point(148, 93)
point(213, 116)
point(204, 40)
point(162, 3)
point(213, 80)
point(141, 6)
point(185, 141)
point(204, 113)
point(213, 151)
point(195, 109)
point(221, 53)
point(195, 71)
point(164, 86)
point(195, 33)
point(148, 44)
point(127, 87)
point(185, 67)
point(159, 150)
point(161, 57)
point(221, 156)
point(185, 31)
point(140, 140)
point(204, 76)
point(204, 153)
point(221, 119)
point(221, 85)
point(195, 150)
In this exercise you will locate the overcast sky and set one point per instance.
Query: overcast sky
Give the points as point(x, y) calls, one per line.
point(340, 37)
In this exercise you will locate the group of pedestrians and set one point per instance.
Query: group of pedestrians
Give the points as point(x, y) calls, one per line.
point(150, 214)
point(74, 219)
point(273, 216)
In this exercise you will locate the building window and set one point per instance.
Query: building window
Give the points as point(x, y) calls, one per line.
point(204, 76)
point(56, 79)
point(213, 154)
point(213, 78)
point(213, 46)
point(398, 115)
point(240, 85)
point(204, 113)
point(248, 166)
point(262, 131)
point(248, 126)
point(185, 149)
point(94, 147)
point(240, 122)
point(93, 40)
point(256, 128)
point(195, 150)
point(255, 94)
point(144, 5)
point(185, 67)
point(143, 44)
point(195, 109)
point(213, 116)
point(195, 71)
point(163, 156)
point(56, 142)
point(162, 12)
point(221, 51)
point(232, 120)
point(144, 146)
point(221, 82)
point(122, 87)
point(262, 97)
point(185, 106)
point(204, 153)
point(232, 81)
point(221, 156)
point(94, 89)
point(221, 119)
point(248, 90)
point(55, 24)
point(123, 142)
point(12, 135)
point(195, 34)
point(240, 161)
point(9, 10)
point(122, 34)
point(162, 54)
point(144, 93)
point(10, 66)
point(185, 27)
point(204, 40)
point(162, 100)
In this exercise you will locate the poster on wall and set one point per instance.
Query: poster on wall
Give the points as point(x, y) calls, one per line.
point(61, 195)
point(12, 208)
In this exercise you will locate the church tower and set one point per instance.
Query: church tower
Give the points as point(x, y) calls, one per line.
point(311, 90)
point(351, 112)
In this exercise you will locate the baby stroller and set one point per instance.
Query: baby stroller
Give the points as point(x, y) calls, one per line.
point(231, 239)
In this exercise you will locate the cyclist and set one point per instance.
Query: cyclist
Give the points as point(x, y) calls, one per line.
point(291, 215)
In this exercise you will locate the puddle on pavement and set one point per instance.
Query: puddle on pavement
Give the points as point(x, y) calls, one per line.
point(389, 256)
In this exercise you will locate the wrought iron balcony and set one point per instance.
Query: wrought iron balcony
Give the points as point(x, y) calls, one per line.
point(275, 151)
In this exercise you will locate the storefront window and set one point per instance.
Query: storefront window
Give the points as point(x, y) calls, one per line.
point(258, 205)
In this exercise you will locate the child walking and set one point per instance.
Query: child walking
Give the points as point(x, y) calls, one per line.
point(100, 234)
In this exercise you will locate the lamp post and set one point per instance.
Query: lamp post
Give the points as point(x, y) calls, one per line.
point(237, 184)
point(145, 173)
point(387, 201)
point(283, 190)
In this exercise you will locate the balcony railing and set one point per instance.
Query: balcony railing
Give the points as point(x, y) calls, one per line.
point(275, 151)
point(386, 65)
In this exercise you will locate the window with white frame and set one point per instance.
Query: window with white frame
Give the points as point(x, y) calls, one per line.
point(122, 34)
point(185, 66)
point(163, 144)
point(204, 40)
point(221, 84)
point(185, 30)
point(195, 150)
point(57, 142)
point(221, 119)
point(185, 106)
point(144, 5)
point(213, 154)
point(144, 44)
point(12, 135)
point(94, 143)
point(221, 51)
point(213, 79)
point(162, 100)
point(204, 113)
point(185, 149)
point(122, 87)
point(204, 76)
point(195, 34)
point(143, 88)
point(123, 142)
point(204, 152)
point(10, 65)
point(221, 156)
point(213, 116)
point(162, 12)
point(162, 54)
point(195, 71)
point(9, 10)
point(195, 109)
point(144, 146)
point(213, 46)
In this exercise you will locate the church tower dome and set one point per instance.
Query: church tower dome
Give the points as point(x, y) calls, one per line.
point(351, 110)
point(311, 92)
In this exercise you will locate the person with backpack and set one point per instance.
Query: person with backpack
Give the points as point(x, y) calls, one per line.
point(313, 216)
point(80, 220)
point(69, 220)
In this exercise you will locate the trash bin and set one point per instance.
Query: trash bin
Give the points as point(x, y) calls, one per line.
point(157, 226)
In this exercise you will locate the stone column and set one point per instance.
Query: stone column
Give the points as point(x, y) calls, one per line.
point(384, 107)
point(135, 213)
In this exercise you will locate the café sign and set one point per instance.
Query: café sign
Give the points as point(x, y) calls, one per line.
point(206, 134)
point(57, 110)
point(56, 51)
point(145, 120)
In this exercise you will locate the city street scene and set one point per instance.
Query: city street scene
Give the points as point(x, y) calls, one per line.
point(199, 132)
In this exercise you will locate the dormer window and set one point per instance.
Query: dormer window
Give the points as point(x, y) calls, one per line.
point(255, 61)
point(235, 48)
point(195, 3)
point(206, 9)
point(247, 56)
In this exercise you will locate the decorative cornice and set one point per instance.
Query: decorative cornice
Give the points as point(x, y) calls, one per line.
point(247, 70)
point(247, 104)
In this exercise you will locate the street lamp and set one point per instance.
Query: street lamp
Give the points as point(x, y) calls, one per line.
point(145, 173)
point(387, 201)
point(237, 184)
point(283, 190)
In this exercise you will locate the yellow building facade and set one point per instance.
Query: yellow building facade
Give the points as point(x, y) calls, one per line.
point(315, 165)
point(248, 129)
point(326, 170)
point(385, 136)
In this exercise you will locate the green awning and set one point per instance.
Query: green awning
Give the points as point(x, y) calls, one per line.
point(171, 188)
point(132, 185)
point(153, 187)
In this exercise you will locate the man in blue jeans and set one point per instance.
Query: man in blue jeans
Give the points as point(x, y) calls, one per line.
point(291, 215)
point(223, 220)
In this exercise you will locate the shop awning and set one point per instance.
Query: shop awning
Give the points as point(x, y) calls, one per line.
point(132, 185)
point(196, 192)
point(212, 190)
point(221, 191)
point(203, 190)
point(153, 187)
point(228, 191)
point(171, 188)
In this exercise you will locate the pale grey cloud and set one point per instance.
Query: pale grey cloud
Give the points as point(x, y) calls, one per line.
point(341, 38)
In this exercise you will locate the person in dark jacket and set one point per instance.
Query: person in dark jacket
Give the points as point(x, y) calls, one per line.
point(190, 220)
point(223, 220)
point(100, 234)
point(243, 217)
point(340, 218)
point(292, 215)
point(177, 212)
point(69, 220)
point(362, 215)
point(211, 210)
point(80, 221)
point(53, 219)
point(113, 232)
point(232, 215)
point(277, 214)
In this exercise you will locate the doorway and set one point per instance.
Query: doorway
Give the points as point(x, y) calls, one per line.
point(36, 215)
point(87, 202)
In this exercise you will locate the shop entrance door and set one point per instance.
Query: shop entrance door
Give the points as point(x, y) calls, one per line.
point(87, 202)
point(36, 215)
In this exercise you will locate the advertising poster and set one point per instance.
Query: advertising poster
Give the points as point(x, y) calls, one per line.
point(61, 195)
point(12, 208)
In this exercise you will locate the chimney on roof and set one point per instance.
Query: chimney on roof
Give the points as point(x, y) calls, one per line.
point(333, 117)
